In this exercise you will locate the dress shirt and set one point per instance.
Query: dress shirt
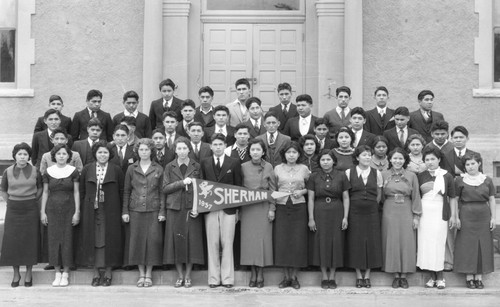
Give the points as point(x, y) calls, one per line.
point(221, 159)
point(321, 143)
point(167, 104)
point(123, 150)
point(255, 122)
point(304, 123)
point(405, 133)
point(196, 147)
point(440, 147)
point(382, 111)
point(425, 114)
point(461, 151)
point(275, 135)
point(339, 111)
point(209, 110)
point(357, 136)
point(91, 142)
point(364, 175)
point(218, 129)
point(134, 114)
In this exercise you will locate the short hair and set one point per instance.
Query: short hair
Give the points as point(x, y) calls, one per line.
point(304, 97)
point(381, 88)
point(95, 122)
point(188, 103)
point(206, 89)
point(284, 86)
point(440, 125)
point(55, 97)
point(50, 112)
point(414, 137)
point(22, 146)
point(251, 100)
point(358, 151)
point(130, 94)
point(424, 93)
point(167, 82)
point(260, 142)
point(402, 111)
point(358, 110)
point(379, 138)
point(218, 136)
point(145, 141)
point(169, 114)
point(194, 123)
point(241, 81)
point(241, 126)
point(102, 143)
point(472, 156)
point(121, 127)
point(94, 93)
point(329, 152)
point(184, 140)
point(432, 151)
point(271, 113)
point(460, 129)
point(160, 131)
point(221, 108)
point(294, 145)
point(307, 137)
point(401, 151)
point(348, 131)
point(129, 120)
point(321, 121)
point(343, 89)
point(61, 131)
point(56, 149)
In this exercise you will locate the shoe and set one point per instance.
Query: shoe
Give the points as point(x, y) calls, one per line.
point(28, 284)
point(479, 284)
point(403, 283)
point(140, 282)
point(470, 284)
point(213, 286)
point(332, 284)
point(324, 284)
point(148, 282)
point(15, 284)
point(260, 284)
point(295, 284)
point(48, 267)
point(368, 284)
point(228, 286)
point(441, 284)
point(359, 283)
point(106, 282)
point(187, 283)
point(96, 281)
point(64, 280)
point(57, 280)
point(285, 283)
point(395, 283)
point(179, 283)
point(430, 284)
point(252, 284)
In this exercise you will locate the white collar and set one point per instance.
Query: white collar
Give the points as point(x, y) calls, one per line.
point(405, 129)
point(209, 110)
point(435, 144)
point(58, 172)
point(90, 141)
point(339, 109)
point(90, 112)
point(224, 129)
point(307, 118)
point(168, 102)
point(134, 114)
point(221, 158)
point(463, 150)
point(382, 110)
point(287, 106)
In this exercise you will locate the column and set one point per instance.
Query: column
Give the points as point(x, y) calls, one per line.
point(353, 57)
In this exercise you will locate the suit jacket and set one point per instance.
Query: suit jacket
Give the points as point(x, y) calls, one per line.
point(235, 115)
point(230, 173)
point(374, 123)
point(456, 163)
point(65, 124)
point(40, 144)
point(392, 136)
point(204, 152)
point(85, 151)
point(251, 128)
point(335, 122)
point(233, 153)
point(143, 125)
point(366, 138)
point(156, 111)
point(418, 123)
point(278, 109)
point(273, 155)
point(174, 187)
point(128, 159)
point(198, 117)
point(209, 131)
point(168, 157)
point(292, 128)
point(81, 119)
point(329, 143)
point(448, 160)
point(179, 130)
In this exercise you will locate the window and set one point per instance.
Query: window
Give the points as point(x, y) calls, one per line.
point(257, 5)
point(496, 31)
point(496, 177)
point(8, 22)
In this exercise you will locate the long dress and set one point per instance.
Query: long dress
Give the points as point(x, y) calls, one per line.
point(60, 209)
point(402, 202)
point(474, 242)
point(432, 229)
point(328, 240)
point(256, 230)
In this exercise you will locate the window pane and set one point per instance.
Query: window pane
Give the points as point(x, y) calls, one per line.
point(497, 55)
point(258, 5)
point(8, 13)
point(7, 55)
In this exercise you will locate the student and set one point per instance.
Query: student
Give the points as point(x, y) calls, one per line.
point(398, 135)
point(167, 103)
point(321, 132)
point(304, 123)
point(56, 103)
point(285, 109)
point(130, 103)
point(381, 117)
point(220, 225)
point(60, 137)
point(205, 112)
point(131, 124)
point(238, 112)
point(275, 141)
point(93, 110)
point(42, 141)
point(201, 149)
point(122, 152)
point(255, 123)
point(423, 118)
point(84, 147)
point(339, 116)
point(163, 155)
point(188, 110)
point(221, 116)
point(358, 120)
point(459, 139)
point(239, 150)
point(170, 127)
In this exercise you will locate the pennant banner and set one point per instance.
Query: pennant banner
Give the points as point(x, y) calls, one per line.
point(212, 196)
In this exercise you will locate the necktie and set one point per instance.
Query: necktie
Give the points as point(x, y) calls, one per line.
point(382, 117)
point(271, 139)
point(402, 137)
point(342, 114)
point(460, 153)
point(322, 144)
point(159, 155)
point(196, 151)
point(429, 116)
point(218, 164)
point(169, 143)
point(220, 131)
point(166, 107)
point(285, 111)
point(241, 153)
point(120, 154)
point(94, 114)
point(256, 126)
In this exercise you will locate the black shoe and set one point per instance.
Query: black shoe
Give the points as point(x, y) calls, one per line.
point(324, 284)
point(332, 284)
point(28, 284)
point(48, 267)
point(368, 284)
point(478, 284)
point(359, 283)
point(96, 281)
point(403, 283)
point(260, 284)
point(228, 286)
point(285, 283)
point(213, 286)
point(106, 282)
point(15, 284)
point(252, 284)
point(295, 284)
point(470, 284)
point(395, 283)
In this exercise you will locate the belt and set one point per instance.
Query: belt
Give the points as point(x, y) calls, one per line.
point(327, 199)
point(394, 196)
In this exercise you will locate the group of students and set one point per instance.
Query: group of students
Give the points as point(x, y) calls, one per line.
point(361, 185)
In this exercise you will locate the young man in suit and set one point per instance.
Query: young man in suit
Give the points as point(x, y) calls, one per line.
point(275, 141)
point(220, 225)
point(238, 112)
point(321, 131)
point(285, 109)
point(93, 110)
point(380, 118)
point(201, 149)
point(170, 127)
point(60, 136)
point(188, 109)
point(303, 124)
point(123, 153)
point(130, 103)
point(163, 155)
point(205, 112)
point(357, 120)
point(42, 141)
point(56, 103)
point(459, 139)
point(422, 119)
point(239, 150)
point(339, 116)
point(255, 123)
point(168, 102)
point(398, 135)
point(84, 147)
point(221, 117)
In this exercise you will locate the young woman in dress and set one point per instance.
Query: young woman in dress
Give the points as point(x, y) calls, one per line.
point(310, 148)
point(328, 208)
point(437, 188)
point(380, 146)
point(401, 215)
point(345, 139)
point(475, 223)
point(21, 187)
point(414, 146)
point(60, 211)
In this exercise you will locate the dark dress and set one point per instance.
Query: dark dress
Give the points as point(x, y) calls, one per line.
point(60, 209)
point(344, 159)
point(364, 240)
point(474, 242)
point(310, 162)
point(328, 242)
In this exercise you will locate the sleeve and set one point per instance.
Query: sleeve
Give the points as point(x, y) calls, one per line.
point(75, 176)
point(34, 148)
point(450, 186)
point(311, 182)
point(272, 187)
point(458, 187)
point(43, 164)
point(75, 128)
point(416, 204)
point(110, 127)
point(147, 129)
point(39, 183)
point(127, 190)
point(78, 163)
point(152, 115)
point(45, 178)
point(39, 125)
point(121, 178)
point(380, 179)
point(348, 174)
point(237, 178)
point(82, 186)
point(170, 186)
point(286, 129)
point(5, 182)
point(162, 195)
point(491, 187)
point(346, 184)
